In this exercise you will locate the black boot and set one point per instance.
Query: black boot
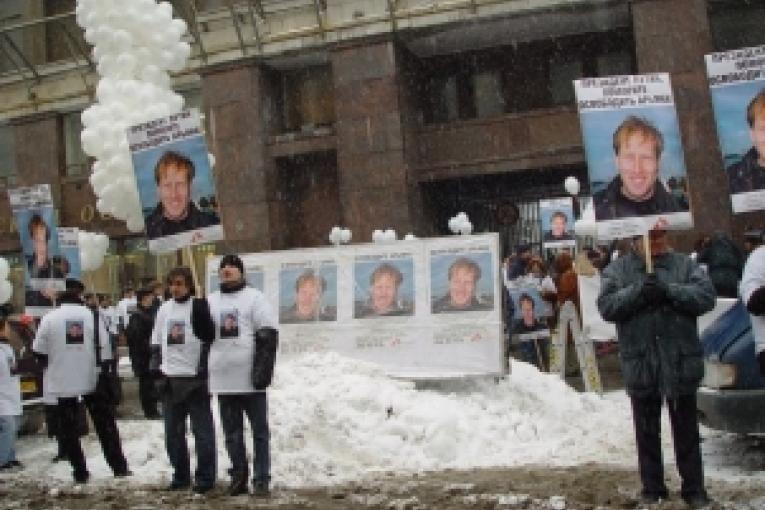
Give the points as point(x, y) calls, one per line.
point(238, 484)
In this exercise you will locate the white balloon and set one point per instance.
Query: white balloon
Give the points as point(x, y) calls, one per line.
point(4, 268)
point(6, 291)
point(571, 184)
point(135, 223)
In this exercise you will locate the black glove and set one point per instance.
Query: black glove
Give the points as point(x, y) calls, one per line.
point(654, 291)
point(204, 355)
point(266, 342)
point(756, 303)
point(201, 321)
point(155, 360)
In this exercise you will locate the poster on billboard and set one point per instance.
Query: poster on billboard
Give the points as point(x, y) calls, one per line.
point(383, 285)
point(69, 246)
point(634, 154)
point(556, 216)
point(307, 292)
point(175, 183)
point(737, 87)
point(425, 308)
point(44, 268)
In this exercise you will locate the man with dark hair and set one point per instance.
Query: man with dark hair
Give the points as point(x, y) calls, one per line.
point(180, 345)
point(463, 276)
point(138, 334)
point(72, 372)
point(241, 368)
point(176, 212)
point(661, 356)
point(748, 174)
point(636, 190)
point(384, 283)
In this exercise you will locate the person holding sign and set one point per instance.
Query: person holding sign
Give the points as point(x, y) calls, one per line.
point(240, 372)
point(176, 212)
point(636, 189)
point(180, 346)
point(661, 356)
point(749, 173)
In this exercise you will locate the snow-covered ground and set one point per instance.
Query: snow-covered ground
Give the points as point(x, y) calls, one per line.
point(335, 419)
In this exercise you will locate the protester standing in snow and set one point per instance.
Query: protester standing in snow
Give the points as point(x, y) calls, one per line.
point(10, 400)
point(232, 368)
point(138, 334)
point(72, 373)
point(655, 315)
point(753, 296)
point(180, 345)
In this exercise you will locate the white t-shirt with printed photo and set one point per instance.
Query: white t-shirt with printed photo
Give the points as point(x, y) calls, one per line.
point(10, 387)
point(237, 316)
point(172, 331)
point(66, 336)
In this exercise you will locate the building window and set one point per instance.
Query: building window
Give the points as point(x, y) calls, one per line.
point(304, 99)
point(11, 13)
point(77, 163)
point(527, 76)
point(489, 94)
point(562, 74)
point(736, 23)
point(7, 157)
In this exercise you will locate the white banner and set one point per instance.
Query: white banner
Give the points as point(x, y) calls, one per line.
point(427, 308)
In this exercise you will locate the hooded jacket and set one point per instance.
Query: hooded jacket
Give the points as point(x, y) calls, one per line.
point(659, 343)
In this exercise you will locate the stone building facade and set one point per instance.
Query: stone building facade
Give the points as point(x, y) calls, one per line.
point(372, 114)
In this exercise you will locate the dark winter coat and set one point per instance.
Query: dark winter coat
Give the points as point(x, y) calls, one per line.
point(747, 174)
point(138, 335)
point(610, 204)
point(725, 262)
point(658, 342)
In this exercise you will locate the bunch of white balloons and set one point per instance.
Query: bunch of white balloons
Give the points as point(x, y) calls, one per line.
point(93, 248)
point(384, 236)
point(6, 289)
point(338, 235)
point(136, 44)
point(460, 224)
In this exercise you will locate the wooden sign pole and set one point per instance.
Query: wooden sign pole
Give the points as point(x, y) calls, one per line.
point(647, 251)
point(193, 267)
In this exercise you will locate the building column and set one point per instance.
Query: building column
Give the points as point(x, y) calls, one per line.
point(234, 97)
point(372, 168)
point(673, 36)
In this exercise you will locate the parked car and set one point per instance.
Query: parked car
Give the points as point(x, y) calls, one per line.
point(30, 373)
point(732, 395)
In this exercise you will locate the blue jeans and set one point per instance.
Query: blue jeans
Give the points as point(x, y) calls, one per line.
point(196, 406)
point(232, 411)
point(8, 428)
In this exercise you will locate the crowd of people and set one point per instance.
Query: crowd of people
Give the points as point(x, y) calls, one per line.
point(182, 350)
point(654, 305)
